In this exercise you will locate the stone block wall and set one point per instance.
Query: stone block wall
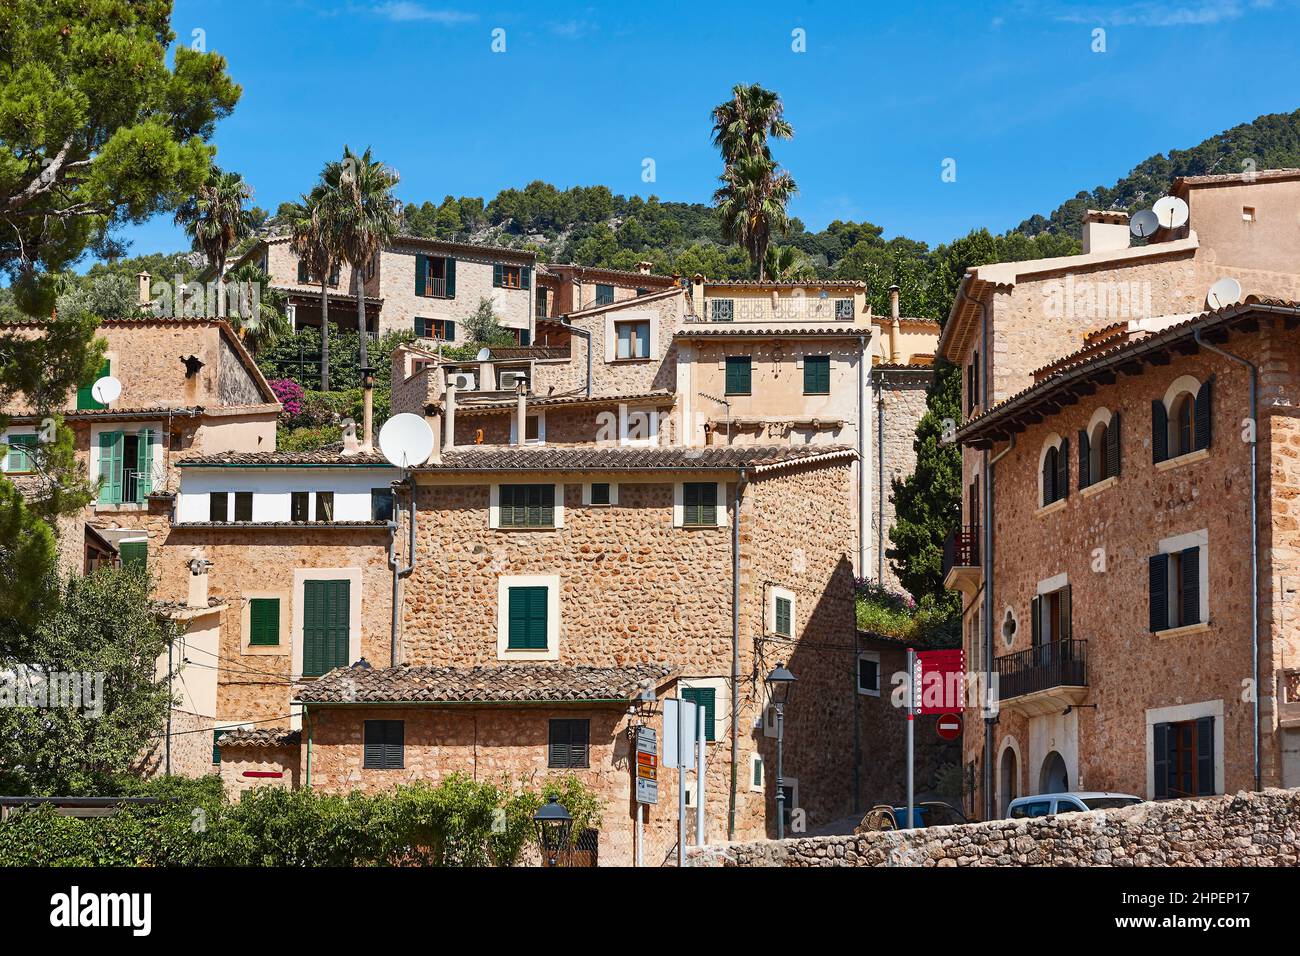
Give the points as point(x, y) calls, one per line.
point(900, 403)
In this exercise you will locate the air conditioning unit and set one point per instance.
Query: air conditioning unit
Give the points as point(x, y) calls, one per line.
point(511, 380)
point(464, 381)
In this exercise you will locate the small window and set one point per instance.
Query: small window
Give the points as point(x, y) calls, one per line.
point(19, 459)
point(604, 294)
point(722, 310)
point(705, 697)
point(243, 506)
point(633, 340)
point(739, 375)
point(700, 504)
point(381, 504)
point(817, 375)
point(385, 745)
point(756, 773)
point(1185, 425)
point(1248, 213)
point(264, 622)
point(600, 493)
point(507, 277)
point(844, 309)
point(219, 506)
point(640, 292)
point(569, 745)
point(440, 330)
point(527, 506)
point(1181, 425)
point(784, 612)
point(1184, 759)
point(134, 554)
point(324, 506)
point(1175, 589)
point(1056, 473)
point(532, 431)
point(541, 309)
point(527, 618)
point(298, 503)
point(869, 673)
point(216, 735)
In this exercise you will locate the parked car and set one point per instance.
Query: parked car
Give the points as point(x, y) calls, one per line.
point(1049, 804)
point(931, 813)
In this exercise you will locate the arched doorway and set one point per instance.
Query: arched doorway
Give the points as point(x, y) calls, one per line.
point(1008, 779)
point(1053, 778)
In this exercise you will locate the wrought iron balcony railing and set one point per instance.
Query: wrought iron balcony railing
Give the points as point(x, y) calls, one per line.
point(961, 549)
point(1055, 664)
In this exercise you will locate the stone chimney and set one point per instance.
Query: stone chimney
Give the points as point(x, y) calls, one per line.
point(198, 593)
point(1105, 230)
point(521, 412)
point(644, 267)
point(449, 416)
point(895, 330)
point(143, 295)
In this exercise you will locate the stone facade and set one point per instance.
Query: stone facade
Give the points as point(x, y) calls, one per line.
point(900, 404)
point(1248, 829)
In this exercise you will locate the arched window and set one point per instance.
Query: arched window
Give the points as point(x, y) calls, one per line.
point(1180, 425)
point(1054, 475)
point(1099, 448)
point(1180, 422)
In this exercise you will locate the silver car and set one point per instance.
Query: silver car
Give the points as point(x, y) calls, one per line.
point(1050, 804)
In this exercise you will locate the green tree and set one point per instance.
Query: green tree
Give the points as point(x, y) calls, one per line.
point(483, 328)
point(96, 131)
point(103, 625)
point(215, 219)
point(315, 243)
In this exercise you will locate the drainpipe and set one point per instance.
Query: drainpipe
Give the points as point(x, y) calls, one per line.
point(306, 716)
point(863, 358)
point(735, 649)
point(400, 572)
point(1254, 533)
point(586, 334)
point(880, 478)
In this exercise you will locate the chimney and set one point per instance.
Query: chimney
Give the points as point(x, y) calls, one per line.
point(1105, 230)
point(895, 331)
point(198, 594)
point(368, 409)
point(142, 288)
point(644, 267)
point(521, 413)
point(449, 416)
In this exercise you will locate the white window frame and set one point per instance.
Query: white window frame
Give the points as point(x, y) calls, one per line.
point(721, 701)
point(679, 508)
point(868, 656)
point(1178, 714)
point(540, 415)
point(1181, 542)
point(1182, 385)
point(756, 763)
point(552, 583)
point(625, 426)
point(780, 592)
point(157, 469)
point(617, 316)
point(494, 506)
point(613, 494)
point(9, 434)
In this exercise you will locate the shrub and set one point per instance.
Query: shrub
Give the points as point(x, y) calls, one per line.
point(289, 393)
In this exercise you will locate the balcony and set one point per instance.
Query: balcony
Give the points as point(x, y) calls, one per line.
point(961, 559)
point(1045, 679)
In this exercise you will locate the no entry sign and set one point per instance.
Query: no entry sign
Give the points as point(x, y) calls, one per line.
point(950, 726)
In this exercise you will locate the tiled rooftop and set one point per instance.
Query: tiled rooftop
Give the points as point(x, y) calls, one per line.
point(616, 458)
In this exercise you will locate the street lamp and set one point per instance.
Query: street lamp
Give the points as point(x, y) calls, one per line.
point(781, 681)
point(553, 825)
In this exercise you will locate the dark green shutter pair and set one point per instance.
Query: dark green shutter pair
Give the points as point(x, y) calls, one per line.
point(527, 618)
point(604, 294)
point(19, 457)
point(817, 375)
point(264, 622)
point(705, 697)
point(1063, 620)
point(700, 503)
point(385, 742)
point(325, 626)
point(1202, 422)
point(422, 275)
point(739, 375)
point(527, 506)
point(569, 745)
point(1190, 579)
point(1112, 453)
point(783, 614)
point(85, 395)
point(135, 554)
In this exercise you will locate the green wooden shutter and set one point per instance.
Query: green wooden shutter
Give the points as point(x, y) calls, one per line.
point(325, 628)
point(547, 517)
point(496, 275)
point(1063, 470)
point(1159, 431)
point(1036, 621)
point(1205, 756)
point(690, 503)
point(526, 277)
point(85, 397)
point(1085, 449)
point(372, 756)
point(421, 271)
point(699, 503)
point(219, 506)
point(527, 618)
point(144, 465)
point(20, 457)
point(704, 697)
point(450, 273)
point(738, 375)
point(1112, 447)
point(1204, 418)
point(135, 554)
point(506, 505)
point(264, 622)
point(1063, 606)
point(1160, 762)
point(1191, 581)
point(708, 503)
point(216, 735)
point(1158, 577)
point(110, 467)
point(817, 374)
point(783, 623)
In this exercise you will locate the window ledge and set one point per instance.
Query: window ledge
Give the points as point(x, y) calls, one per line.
point(1058, 505)
point(629, 361)
point(1188, 459)
point(1100, 486)
point(1201, 627)
point(125, 506)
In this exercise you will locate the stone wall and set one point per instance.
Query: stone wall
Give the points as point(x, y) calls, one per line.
point(900, 403)
point(1248, 829)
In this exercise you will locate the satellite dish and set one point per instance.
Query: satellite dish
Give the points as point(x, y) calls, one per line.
point(484, 354)
point(1225, 292)
point(1143, 223)
point(106, 390)
point(1171, 211)
point(406, 440)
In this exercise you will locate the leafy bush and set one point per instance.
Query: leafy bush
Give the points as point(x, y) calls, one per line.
point(309, 439)
point(929, 623)
point(289, 393)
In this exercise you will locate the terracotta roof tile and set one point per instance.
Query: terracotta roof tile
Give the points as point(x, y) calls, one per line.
point(260, 737)
point(502, 683)
point(692, 330)
point(469, 407)
point(330, 455)
point(618, 458)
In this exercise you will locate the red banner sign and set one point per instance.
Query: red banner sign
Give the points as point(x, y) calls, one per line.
point(940, 682)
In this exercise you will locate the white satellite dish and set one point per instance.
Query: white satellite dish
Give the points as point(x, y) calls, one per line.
point(1225, 292)
point(484, 354)
point(1171, 211)
point(106, 390)
point(1143, 224)
point(406, 440)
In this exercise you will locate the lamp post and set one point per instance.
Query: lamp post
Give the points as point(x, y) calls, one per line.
point(553, 825)
point(781, 681)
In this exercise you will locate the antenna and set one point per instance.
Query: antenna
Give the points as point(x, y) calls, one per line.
point(1143, 223)
point(1225, 292)
point(406, 440)
point(484, 354)
point(106, 390)
point(1171, 211)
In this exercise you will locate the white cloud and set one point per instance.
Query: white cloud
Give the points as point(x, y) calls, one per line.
point(404, 11)
point(1158, 14)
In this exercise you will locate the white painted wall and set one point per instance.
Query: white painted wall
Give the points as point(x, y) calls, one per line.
point(272, 489)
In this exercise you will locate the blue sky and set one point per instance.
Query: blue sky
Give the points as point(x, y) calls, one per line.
point(882, 96)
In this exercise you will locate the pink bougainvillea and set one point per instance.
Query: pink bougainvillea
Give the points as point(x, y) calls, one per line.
point(289, 394)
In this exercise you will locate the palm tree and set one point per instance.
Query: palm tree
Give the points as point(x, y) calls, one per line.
point(363, 215)
point(755, 190)
point(258, 329)
point(215, 219)
point(785, 263)
point(751, 205)
point(315, 245)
